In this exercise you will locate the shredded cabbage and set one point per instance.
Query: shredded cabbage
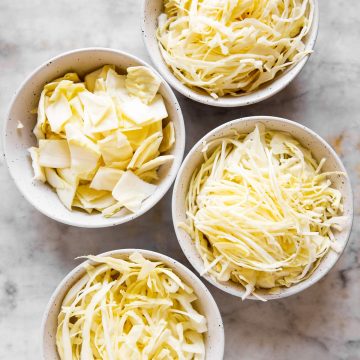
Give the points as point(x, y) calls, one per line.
point(261, 212)
point(92, 133)
point(231, 47)
point(130, 309)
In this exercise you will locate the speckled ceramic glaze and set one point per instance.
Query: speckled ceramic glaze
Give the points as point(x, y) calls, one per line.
point(319, 148)
point(214, 338)
point(150, 13)
point(16, 141)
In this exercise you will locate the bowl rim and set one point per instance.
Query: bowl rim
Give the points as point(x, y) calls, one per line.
point(168, 181)
point(228, 286)
point(175, 265)
point(268, 90)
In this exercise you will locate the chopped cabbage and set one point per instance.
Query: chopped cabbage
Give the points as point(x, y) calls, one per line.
point(85, 153)
point(260, 211)
point(228, 47)
point(94, 199)
point(38, 170)
point(130, 309)
point(64, 190)
point(58, 112)
point(142, 83)
point(130, 191)
point(147, 151)
point(54, 153)
point(106, 178)
point(99, 113)
point(154, 163)
point(91, 133)
point(141, 113)
point(115, 148)
point(90, 79)
point(168, 137)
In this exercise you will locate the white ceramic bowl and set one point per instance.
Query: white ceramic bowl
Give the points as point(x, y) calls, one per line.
point(320, 149)
point(16, 142)
point(150, 13)
point(214, 338)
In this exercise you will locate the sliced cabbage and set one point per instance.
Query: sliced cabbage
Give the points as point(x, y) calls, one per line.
point(114, 210)
point(154, 163)
point(54, 153)
point(106, 178)
point(59, 111)
point(168, 137)
point(41, 117)
point(96, 106)
point(131, 191)
point(135, 308)
point(148, 176)
point(136, 136)
point(90, 133)
point(115, 148)
point(85, 153)
point(94, 199)
point(260, 211)
point(147, 151)
point(141, 82)
point(65, 191)
point(115, 86)
point(71, 177)
point(57, 108)
point(39, 173)
point(233, 47)
point(99, 113)
point(140, 113)
point(90, 79)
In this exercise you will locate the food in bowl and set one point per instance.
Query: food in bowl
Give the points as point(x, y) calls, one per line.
point(261, 212)
point(101, 141)
point(130, 308)
point(232, 48)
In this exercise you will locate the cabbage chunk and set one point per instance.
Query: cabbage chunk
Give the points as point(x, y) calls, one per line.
point(142, 83)
point(54, 153)
point(92, 133)
point(130, 191)
point(39, 173)
point(106, 178)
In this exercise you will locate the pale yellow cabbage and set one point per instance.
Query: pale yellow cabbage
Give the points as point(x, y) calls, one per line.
point(260, 211)
point(54, 153)
point(91, 133)
point(106, 178)
point(130, 309)
point(38, 169)
point(232, 47)
point(130, 191)
point(142, 83)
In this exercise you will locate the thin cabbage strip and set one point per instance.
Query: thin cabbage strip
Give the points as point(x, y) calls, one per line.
point(228, 47)
point(130, 309)
point(260, 211)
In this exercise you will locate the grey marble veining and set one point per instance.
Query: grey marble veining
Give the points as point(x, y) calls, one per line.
point(35, 252)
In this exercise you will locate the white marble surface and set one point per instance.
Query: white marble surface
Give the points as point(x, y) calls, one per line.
point(36, 252)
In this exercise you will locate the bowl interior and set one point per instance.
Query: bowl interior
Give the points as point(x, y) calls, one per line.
point(307, 138)
point(151, 11)
point(214, 338)
point(18, 141)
